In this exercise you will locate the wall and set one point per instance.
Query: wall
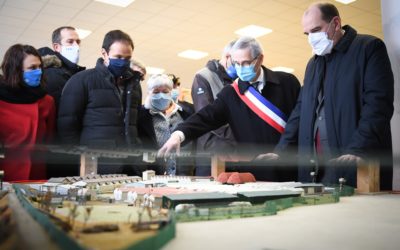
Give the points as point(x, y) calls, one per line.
point(391, 23)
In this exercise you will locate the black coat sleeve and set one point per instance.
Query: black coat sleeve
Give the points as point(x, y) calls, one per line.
point(205, 120)
point(55, 81)
point(290, 136)
point(377, 102)
point(71, 110)
point(146, 129)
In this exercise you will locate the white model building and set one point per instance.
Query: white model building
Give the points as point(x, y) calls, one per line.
point(148, 175)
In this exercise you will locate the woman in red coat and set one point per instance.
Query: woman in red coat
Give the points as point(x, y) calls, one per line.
point(27, 114)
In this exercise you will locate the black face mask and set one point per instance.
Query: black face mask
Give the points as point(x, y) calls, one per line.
point(118, 66)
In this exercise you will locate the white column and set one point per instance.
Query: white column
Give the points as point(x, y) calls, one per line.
point(391, 23)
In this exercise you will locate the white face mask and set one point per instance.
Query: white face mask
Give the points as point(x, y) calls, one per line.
point(320, 42)
point(71, 53)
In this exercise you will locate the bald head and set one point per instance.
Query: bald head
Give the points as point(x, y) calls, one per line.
point(328, 11)
point(320, 12)
point(322, 17)
point(312, 19)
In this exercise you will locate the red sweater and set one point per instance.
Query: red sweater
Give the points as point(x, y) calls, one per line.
point(21, 127)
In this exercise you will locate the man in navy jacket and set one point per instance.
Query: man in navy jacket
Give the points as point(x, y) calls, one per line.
point(343, 112)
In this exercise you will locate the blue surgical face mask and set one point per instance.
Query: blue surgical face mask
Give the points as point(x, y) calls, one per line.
point(118, 66)
point(246, 73)
point(231, 71)
point(161, 101)
point(32, 77)
point(175, 94)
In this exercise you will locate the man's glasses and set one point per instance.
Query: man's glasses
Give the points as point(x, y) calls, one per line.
point(244, 63)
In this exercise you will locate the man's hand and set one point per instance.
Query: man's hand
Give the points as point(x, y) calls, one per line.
point(173, 143)
point(267, 157)
point(234, 157)
point(347, 159)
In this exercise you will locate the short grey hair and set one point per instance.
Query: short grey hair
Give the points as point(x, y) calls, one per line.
point(159, 80)
point(228, 47)
point(139, 64)
point(251, 43)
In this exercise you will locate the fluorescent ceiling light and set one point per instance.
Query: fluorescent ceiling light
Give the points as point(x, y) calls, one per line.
point(83, 33)
point(253, 31)
point(119, 3)
point(193, 54)
point(154, 70)
point(284, 69)
point(345, 1)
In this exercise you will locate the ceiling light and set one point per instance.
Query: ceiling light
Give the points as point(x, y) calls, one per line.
point(345, 1)
point(154, 70)
point(83, 33)
point(193, 54)
point(284, 69)
point(120, 3)
point(253, 31)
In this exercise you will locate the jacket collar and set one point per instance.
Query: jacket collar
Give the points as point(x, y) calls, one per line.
point(345, 42)
point(103, 68)
point(75, 68)
point(216, 67)
point(269, 77)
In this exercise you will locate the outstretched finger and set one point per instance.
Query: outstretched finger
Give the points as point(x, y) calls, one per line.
point(178, 149)
point(161, 152)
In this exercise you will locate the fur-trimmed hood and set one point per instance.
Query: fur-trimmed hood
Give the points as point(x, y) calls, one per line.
point(52, 59)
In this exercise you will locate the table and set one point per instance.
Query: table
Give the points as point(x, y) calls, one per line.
point(358, 222)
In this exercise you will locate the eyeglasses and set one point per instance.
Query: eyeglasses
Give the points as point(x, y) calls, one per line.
point(244, 63)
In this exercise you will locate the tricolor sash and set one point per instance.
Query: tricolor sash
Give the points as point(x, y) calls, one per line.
point(262, 107)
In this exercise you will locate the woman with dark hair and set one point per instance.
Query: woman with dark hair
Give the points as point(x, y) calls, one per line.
point(27, 114)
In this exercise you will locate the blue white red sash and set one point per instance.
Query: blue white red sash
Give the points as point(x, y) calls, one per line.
point(262, 107)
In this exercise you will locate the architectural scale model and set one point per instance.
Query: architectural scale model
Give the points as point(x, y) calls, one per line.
point(120, 212)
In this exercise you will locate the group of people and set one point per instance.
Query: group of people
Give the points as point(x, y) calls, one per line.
point(242, 110)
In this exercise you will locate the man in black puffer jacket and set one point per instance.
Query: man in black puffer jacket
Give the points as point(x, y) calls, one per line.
point(98, 107)
point(61, 62)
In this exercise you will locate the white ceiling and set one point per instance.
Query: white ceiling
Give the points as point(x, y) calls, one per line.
point(161, 29)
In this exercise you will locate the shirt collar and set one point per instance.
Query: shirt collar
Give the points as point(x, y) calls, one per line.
point(260, 80)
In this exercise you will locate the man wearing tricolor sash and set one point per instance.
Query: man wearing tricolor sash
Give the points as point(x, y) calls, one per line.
point(256, 106)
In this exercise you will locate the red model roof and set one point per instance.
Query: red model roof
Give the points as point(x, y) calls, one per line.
point(236, 178)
